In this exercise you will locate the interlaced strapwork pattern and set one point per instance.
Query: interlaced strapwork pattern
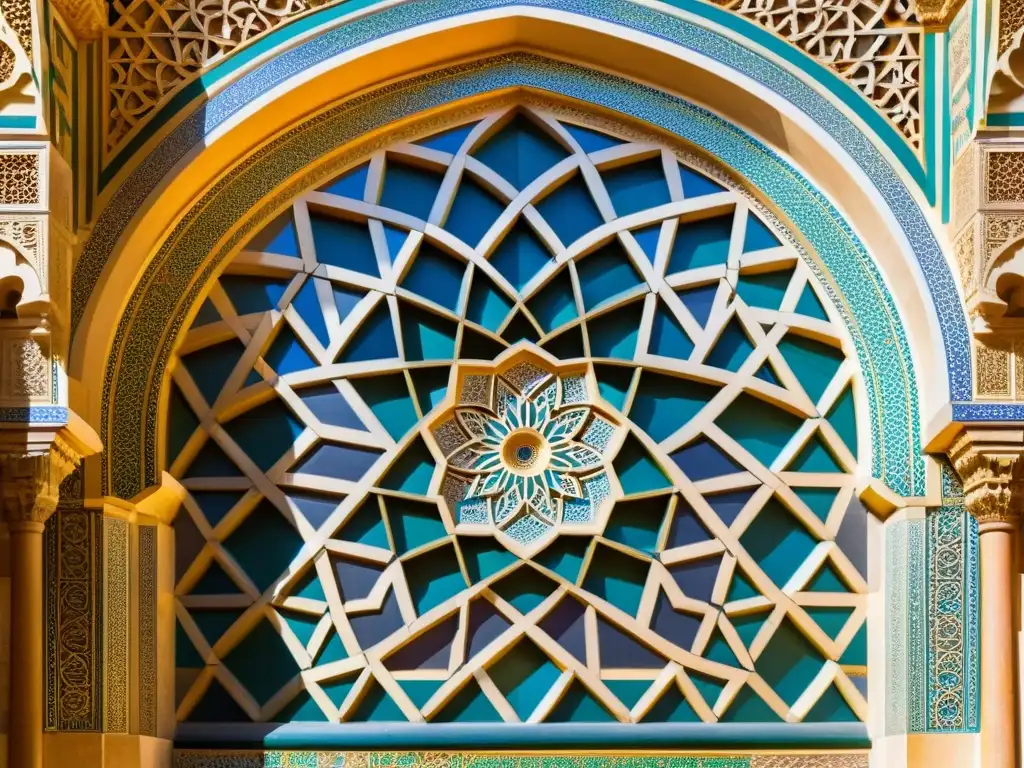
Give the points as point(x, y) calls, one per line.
point(154, 47)
point(873, 44)
point(519, 422)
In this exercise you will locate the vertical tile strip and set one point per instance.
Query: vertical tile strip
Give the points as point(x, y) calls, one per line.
point(147, 630)
point(896, 627)
point(917, 628)
point(73, 683)
point(115, 602)
point(952, 562)
point(51, 575)
point(972, 660)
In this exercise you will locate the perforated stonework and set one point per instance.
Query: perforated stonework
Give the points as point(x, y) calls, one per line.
point(155, 47)
point(19, 178)
point(185, 254)
point(1004, 177)
point(875, 46)
point(522, 421)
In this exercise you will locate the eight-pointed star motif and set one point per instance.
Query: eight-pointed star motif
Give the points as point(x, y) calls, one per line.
point(527, 453)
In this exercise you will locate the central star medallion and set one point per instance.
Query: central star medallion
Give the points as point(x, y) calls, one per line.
point(528, 451)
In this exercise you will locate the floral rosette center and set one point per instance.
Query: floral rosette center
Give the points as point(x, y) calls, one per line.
point(528, 453)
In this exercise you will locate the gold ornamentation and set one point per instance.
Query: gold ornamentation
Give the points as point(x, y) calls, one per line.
point(8, 61)
point(990, 466)
point(873, 44)
point(86, 18)
point(30, 481)
point(115, 623)
point(1011, 25)
point(992, 372)
point(147, 630)
point(74, 690)
point(24, 371)
point(1004, 177)
point(19, 178)
point(18, 16)
point(155, 46)
point(1018, 367)
point(855, 760)
point(937, 14)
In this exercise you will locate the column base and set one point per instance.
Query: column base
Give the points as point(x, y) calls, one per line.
point(105, 750)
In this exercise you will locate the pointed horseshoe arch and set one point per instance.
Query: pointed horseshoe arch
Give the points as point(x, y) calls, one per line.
point(522, 415)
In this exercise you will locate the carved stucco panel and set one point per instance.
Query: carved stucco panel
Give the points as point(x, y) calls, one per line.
point(153, 47)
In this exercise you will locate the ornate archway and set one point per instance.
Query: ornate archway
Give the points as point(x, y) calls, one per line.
point(526, 416)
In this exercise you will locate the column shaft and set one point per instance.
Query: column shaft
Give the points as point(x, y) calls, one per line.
point(26, 718)
point(998, 660)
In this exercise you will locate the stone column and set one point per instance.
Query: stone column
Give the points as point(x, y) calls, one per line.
point(29, 487)
point(990, 462)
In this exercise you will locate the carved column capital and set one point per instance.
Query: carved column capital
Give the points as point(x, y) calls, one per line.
point(30, 481)
point(990, 462)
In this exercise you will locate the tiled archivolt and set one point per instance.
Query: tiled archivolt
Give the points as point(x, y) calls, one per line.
point(519, 422)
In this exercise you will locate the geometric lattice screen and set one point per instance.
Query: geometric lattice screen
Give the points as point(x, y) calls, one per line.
point(521, 422)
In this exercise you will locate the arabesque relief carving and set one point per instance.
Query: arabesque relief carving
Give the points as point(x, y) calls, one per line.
point(155, 46)
point(873, 44)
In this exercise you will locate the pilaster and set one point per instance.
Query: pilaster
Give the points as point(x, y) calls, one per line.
point(117, 552)
point(936, 15)
point(990, 462)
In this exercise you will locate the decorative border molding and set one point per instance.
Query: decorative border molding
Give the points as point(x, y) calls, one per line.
point(35, 414)
point(896, 627)
point(192, 253)
point(131, 196)
point(116, 609)
point(953, 612)
point(279, 759)
point(932, 619)
point(891, 100)
point(147, 630)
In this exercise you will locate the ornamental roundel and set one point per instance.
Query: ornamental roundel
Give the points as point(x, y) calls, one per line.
point(527, 451)
point(523, 421)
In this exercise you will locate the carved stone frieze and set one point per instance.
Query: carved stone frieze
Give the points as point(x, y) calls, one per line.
point(873, 44)
point(1008, 80)
point(988, 249)
point(1004, 176)
point(990, 462)
point(992, 370)
point(155, 46)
